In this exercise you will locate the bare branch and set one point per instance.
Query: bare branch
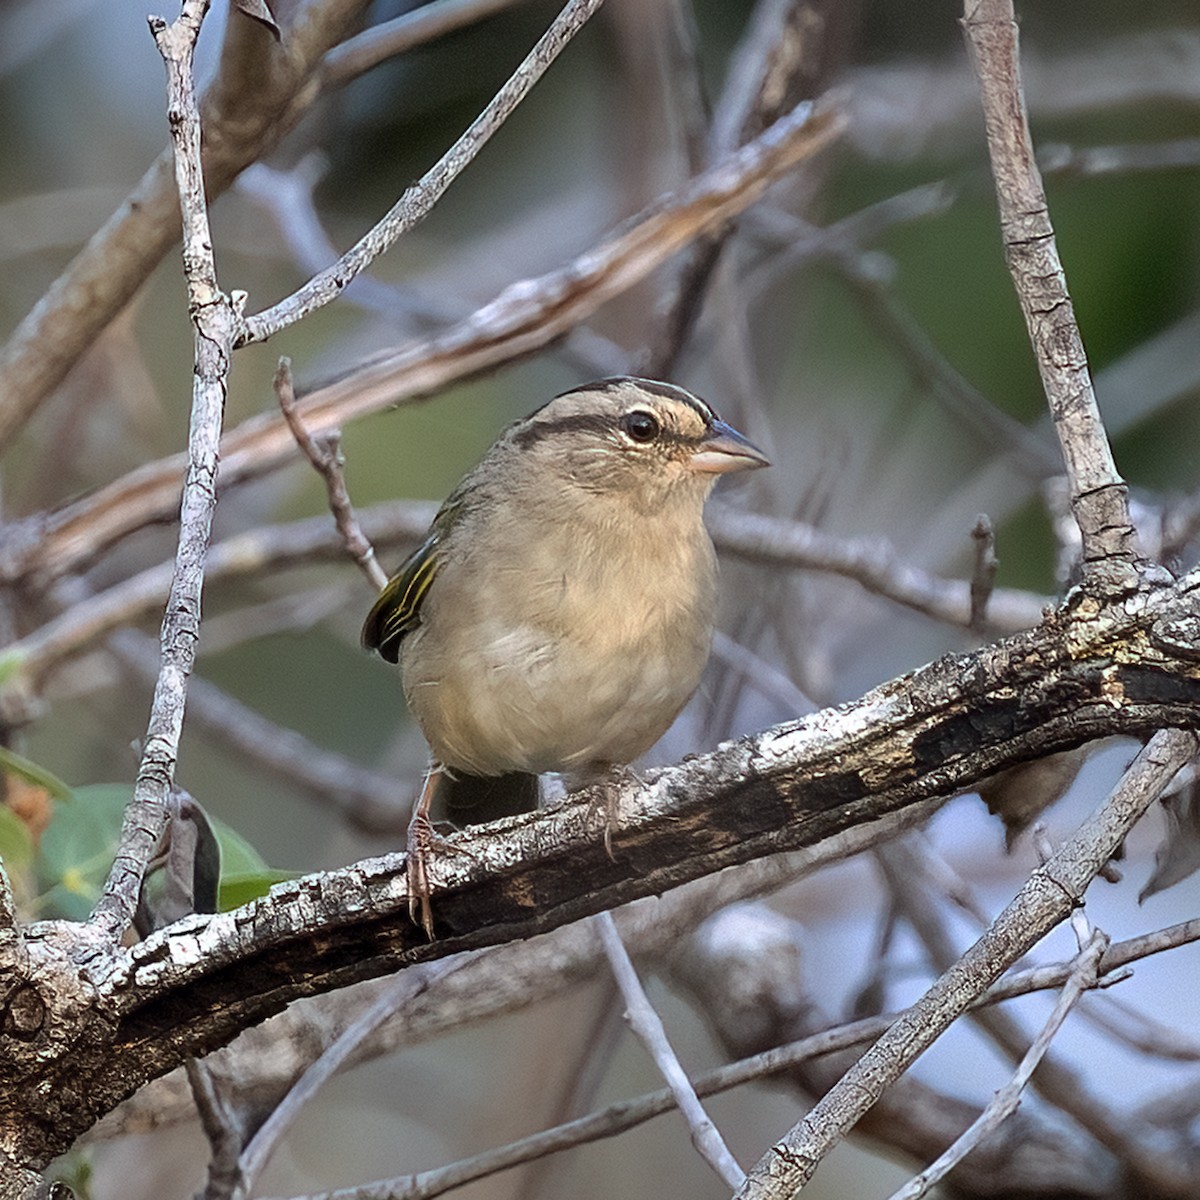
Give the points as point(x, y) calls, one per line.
point(89, 618)
point(648, 1027)
point(214, 317)
point(1046, 899)
point(359, 54)
point(416, 202)
point(220, 1127)
point(325, 456)
point(1099, 497)
point(1056, 1080)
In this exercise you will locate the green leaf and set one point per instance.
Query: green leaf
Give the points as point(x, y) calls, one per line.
point(77, 848)
point(16, 764)
point(79, 843)
point(238, 857)
point(240, 887)
point(16, 842)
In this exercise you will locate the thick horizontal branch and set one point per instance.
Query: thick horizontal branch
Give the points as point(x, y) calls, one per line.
point(525, 317)
point(1084, 673)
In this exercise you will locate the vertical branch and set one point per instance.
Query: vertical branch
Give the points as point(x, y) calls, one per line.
point(215, 318)
point(1099, 498)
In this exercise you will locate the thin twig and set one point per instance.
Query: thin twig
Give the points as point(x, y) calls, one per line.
point(1099, 496)
point(220, 1128)
point(1074, 162)
point(871, 562)
point(357, 55)
point(983, 577)
point(214, 317)
point(648, 1027)
point(262, 1145)
point(1057, 1080)
point(623, 1115)
point(417, 200)
point(1004, 1103)
point(1046, 898)
point(325, 455)
point(524, 317)
point(792, 242)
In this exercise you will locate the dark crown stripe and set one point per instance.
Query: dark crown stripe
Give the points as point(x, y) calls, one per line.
point(654, 387)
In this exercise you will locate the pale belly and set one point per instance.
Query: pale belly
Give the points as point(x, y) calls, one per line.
point(528, 701)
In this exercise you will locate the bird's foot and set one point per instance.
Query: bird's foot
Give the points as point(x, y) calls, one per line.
point(422, 841)
point(606, 797)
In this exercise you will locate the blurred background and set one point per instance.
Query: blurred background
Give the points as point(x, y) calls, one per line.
point(859, 324)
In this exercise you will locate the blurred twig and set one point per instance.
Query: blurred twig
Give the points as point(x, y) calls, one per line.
point(261, 1146)
point(358, 54)
point(419, 199)
point(871, 562)
point(524, 317)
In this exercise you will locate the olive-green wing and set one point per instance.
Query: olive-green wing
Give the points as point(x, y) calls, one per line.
point(397, 611)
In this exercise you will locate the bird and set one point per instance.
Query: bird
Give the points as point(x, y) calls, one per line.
point(559, 613)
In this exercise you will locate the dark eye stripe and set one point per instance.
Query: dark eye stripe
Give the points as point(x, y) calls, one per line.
point(536, 431)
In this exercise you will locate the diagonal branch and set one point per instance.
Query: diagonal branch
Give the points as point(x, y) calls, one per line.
point(420, 198)
point(525, 317)
point(1046, 899)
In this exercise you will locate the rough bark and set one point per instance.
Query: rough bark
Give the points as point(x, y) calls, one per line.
point(83, 1024)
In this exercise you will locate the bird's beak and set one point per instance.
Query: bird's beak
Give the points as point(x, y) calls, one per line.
point(725, 450)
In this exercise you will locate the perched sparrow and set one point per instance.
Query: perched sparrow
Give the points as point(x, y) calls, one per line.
point(560, 611)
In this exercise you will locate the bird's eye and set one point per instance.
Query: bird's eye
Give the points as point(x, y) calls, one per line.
point(641, 426)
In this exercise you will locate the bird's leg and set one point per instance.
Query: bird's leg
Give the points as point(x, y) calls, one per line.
point(418, 847)
point(608, 784)
point(421, 840)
